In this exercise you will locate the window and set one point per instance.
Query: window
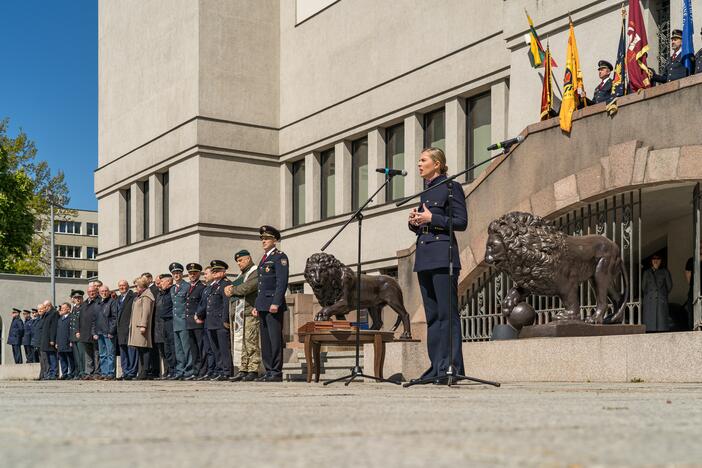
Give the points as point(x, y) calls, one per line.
point(359, 172)
point(328, 187)
point(395, 159)
point(297, 288)
point(92, 252)
point(165, 180)
point(478, 133)
point(67, 251)
point(128, 215)
point(435, 129)
point(67, 273)
point(91, 274)
point(92, 229)
point(67, 227)
point(298, 175)
point(145, 189)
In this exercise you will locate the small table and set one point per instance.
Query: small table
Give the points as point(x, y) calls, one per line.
point(343, 337)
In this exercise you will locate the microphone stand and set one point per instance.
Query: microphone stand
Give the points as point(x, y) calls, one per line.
point(357, 372)
point(451, 376)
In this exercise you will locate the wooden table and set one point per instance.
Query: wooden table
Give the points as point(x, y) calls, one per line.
point(343, 337)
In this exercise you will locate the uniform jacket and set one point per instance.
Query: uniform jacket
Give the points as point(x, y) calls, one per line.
point(48, 331)
point(86, 320)
point(216, 306)
point(105, 322)
point(142, 316)
point(37, 326)
point(179, 294)
point(673, 70)
point(63, 334)
point(248, 290)
point(192, 303)
point(163, 310)
point(432, 239)
point(603, 91)
point(14, 337)
point(27, 337)
point(124, 316)
point(272, 281)
point(75, 320)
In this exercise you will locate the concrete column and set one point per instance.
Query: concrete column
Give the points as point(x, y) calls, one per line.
point(155, 205)
point(376, 159)
point(137, 208)
point(342, 163)
point(122, 219)
point(286, 196)
point(499, 106)
point(456, 135)
point(414, 144)
point(312, 188)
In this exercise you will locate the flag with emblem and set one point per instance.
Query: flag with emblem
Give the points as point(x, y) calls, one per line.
point(619, 81)
point(547, 90)
point(637, 51)
point(536, 50)
point(688, 49)
point(572, 82)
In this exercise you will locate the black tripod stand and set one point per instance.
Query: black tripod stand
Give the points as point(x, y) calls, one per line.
point(358, 215)
point(451, 376)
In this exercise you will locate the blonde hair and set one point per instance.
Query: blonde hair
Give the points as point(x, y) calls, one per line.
point(142, 283)
point(437, 155)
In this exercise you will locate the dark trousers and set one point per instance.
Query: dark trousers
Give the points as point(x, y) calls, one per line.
point(90, 358)
point(209, 361)
point(52, 362)
point(67, 363)
point(145, 358)
point(17, 353)
point(128, 360)
point(169, 346)
point(79, 358)
point(271, 326)
point(220, 341)
point(196, 336)
point(43, 366)
point(29, 353)
point(434, 286)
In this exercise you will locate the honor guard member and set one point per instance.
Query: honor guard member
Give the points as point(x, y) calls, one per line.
point(698, 58)
point(603, 91)
point(74, 317)
point(195, 329)
point(27, 336)
point(243, 293)
point(270, 304)
point(14, 337)
point(673, 69)
point(216, 315)
point(179, 293)
point(209, 362)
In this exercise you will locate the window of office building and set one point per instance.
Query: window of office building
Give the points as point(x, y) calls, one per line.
point(435, 129)
point(478, 133)
point(328, 186)
point(128, 215)
point(61, 273)
point(395, 159)
point(298, 182)
point(92, 229)
point(68, 251)
point(359, 172)
point(165, 180)
point(67, 227)
point(145, 189)
point(92, 252)
point(91, 274)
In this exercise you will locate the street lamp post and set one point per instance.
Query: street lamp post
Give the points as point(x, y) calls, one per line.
point(53, 256)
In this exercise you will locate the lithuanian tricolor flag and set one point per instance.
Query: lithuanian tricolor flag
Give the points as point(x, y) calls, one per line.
point(536, 50)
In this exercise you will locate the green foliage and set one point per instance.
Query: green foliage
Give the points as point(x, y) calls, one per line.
point(26, 186)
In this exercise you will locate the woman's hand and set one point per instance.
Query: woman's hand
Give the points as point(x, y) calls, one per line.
point(418, 218)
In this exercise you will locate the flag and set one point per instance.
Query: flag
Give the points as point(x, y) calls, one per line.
point(639, 74)
point(688, 49)
point(536, 50)
point(547, 90)
point(572, 82)
point(619, 80)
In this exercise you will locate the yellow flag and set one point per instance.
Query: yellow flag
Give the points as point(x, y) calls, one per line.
point(572, 82)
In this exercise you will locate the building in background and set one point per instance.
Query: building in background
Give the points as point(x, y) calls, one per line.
point(76, 245)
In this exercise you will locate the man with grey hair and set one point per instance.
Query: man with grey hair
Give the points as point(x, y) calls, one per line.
point(48, 340)
point(85, 333)
point(63, 342)
point(129, 356)
point(104, 330)
point(36, 341)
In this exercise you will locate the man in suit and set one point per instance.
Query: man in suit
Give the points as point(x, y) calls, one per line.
point(76, 346)
point(128, 355)
point(270, 303)
point(48, 340)
point(63, 342)
point(179, 293)
point(164, 338)
point(85, 333)
point(216, 313)
point(36, 341)
point(27, 336)
point(673, 69)
point(194, 329)
point(14, 337)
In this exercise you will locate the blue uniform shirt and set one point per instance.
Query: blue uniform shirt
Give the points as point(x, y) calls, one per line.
point(272, 281)
point(433, 238)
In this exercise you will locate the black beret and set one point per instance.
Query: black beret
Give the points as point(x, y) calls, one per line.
point(16, 310)
point(269, 231)
point(77, 292)
point(193, 266)
point(604, 64)
point(175, 266)
point(676, 33)
point(219, 265)
point(241, 253)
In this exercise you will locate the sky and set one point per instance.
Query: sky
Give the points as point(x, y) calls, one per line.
point(48, 85)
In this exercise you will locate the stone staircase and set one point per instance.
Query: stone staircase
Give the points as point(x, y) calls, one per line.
point(335, 363)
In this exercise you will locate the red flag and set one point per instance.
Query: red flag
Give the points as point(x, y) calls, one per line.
point(639, 74)
point(547, 90)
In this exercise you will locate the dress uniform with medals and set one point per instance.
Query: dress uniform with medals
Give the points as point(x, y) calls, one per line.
point(216, 314)
point(272, 285)
point(603, 91)
point(183, 357)
point(195, 330)
point(78, 349)
point(673, 69)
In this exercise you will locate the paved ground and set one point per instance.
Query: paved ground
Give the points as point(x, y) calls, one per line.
point(176, 424)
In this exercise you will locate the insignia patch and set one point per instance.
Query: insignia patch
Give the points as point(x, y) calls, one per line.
point(268, 269)
point(284, 262)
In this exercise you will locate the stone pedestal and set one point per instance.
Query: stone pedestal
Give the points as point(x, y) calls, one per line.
point(566, 328)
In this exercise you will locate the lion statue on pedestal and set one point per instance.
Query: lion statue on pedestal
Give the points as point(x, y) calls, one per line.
point(334, 286)
point(543, 260)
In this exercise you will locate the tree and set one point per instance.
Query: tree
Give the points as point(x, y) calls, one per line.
point(26, 188)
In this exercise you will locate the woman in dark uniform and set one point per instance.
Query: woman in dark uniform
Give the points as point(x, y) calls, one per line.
point(430, 223)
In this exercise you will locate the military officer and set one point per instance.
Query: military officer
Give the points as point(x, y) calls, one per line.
point(195, 330)
point(74, 317)
point(270, 303)
point(673, 69)
point(27, 336)
point(209, 362)
point(603, 91)
point(243, 293)
point(216, 315)
point(179, 293)
point(430, 223)
point(14, 337)
point(698, 58)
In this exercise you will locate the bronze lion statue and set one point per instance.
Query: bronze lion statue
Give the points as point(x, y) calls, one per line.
point(543, 260)
point(334, 286)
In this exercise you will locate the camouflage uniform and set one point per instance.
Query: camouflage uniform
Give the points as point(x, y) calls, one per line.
point(250, 347)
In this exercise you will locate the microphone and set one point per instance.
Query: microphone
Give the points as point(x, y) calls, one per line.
point(506, 144)
point(391, 172)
